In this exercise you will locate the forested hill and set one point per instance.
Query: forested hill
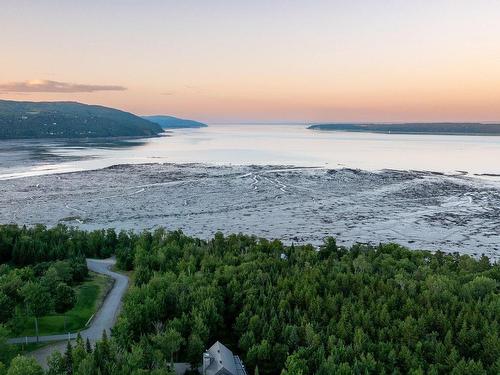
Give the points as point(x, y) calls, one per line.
point(69, 120)
point(170, 122)
point(471, 128)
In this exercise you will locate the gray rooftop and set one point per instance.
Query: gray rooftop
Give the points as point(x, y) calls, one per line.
point(223, 362)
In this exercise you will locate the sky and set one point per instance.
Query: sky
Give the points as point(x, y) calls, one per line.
point(259, 60)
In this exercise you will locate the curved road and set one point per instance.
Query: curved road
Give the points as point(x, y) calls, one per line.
point(103, 320)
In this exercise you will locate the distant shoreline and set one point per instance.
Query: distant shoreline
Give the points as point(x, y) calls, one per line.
point(165, 133)
point(477, 129)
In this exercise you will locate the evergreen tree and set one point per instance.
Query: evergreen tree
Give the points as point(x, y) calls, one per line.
point(56, 364)
point(79, 352)
point(88, 346)
point(68, 358)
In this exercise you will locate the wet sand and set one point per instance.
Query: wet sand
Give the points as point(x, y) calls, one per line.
point(418, 209)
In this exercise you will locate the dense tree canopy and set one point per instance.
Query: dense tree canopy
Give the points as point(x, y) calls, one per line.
point(24, 366)
point(69, 120)
point(382, 309)
point(22, 246)
point(38, 290)
point(285, 309)
point(36, 279)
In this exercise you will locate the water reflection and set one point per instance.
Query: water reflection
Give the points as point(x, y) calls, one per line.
point(261, 145)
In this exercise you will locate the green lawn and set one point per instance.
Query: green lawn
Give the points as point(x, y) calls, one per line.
point(89, 296)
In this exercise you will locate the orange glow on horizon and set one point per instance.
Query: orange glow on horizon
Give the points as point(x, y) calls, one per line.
point(314, 61)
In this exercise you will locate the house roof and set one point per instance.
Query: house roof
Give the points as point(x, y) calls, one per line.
point(223, 359)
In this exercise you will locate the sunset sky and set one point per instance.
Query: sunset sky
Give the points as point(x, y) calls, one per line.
point(259, 60)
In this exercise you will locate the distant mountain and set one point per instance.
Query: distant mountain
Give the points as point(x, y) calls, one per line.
point(69, 120)
point(471, 128)
point(170, 122)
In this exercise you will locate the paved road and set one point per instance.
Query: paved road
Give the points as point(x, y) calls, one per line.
point(103, 320)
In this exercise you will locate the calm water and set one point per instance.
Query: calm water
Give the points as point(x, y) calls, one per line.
point(259, 144)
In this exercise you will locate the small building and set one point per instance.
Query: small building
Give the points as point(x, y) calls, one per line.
point(219, 360)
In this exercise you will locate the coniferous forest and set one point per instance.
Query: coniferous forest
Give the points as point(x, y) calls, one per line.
point(283, 309)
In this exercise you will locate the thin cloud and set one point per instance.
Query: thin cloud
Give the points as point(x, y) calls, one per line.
point(167, 93)
point(55, 86)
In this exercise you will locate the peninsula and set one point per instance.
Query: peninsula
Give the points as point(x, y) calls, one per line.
point(458, 128)
point(170, 122)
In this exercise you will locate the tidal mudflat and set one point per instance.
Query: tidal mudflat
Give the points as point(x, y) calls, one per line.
point(422, 210)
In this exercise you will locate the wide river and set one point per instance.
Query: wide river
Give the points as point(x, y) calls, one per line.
point(260, 145)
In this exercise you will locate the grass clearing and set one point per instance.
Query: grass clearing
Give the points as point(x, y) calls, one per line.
point(90, 295)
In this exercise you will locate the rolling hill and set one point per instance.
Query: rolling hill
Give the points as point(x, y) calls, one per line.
point(69, 120)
